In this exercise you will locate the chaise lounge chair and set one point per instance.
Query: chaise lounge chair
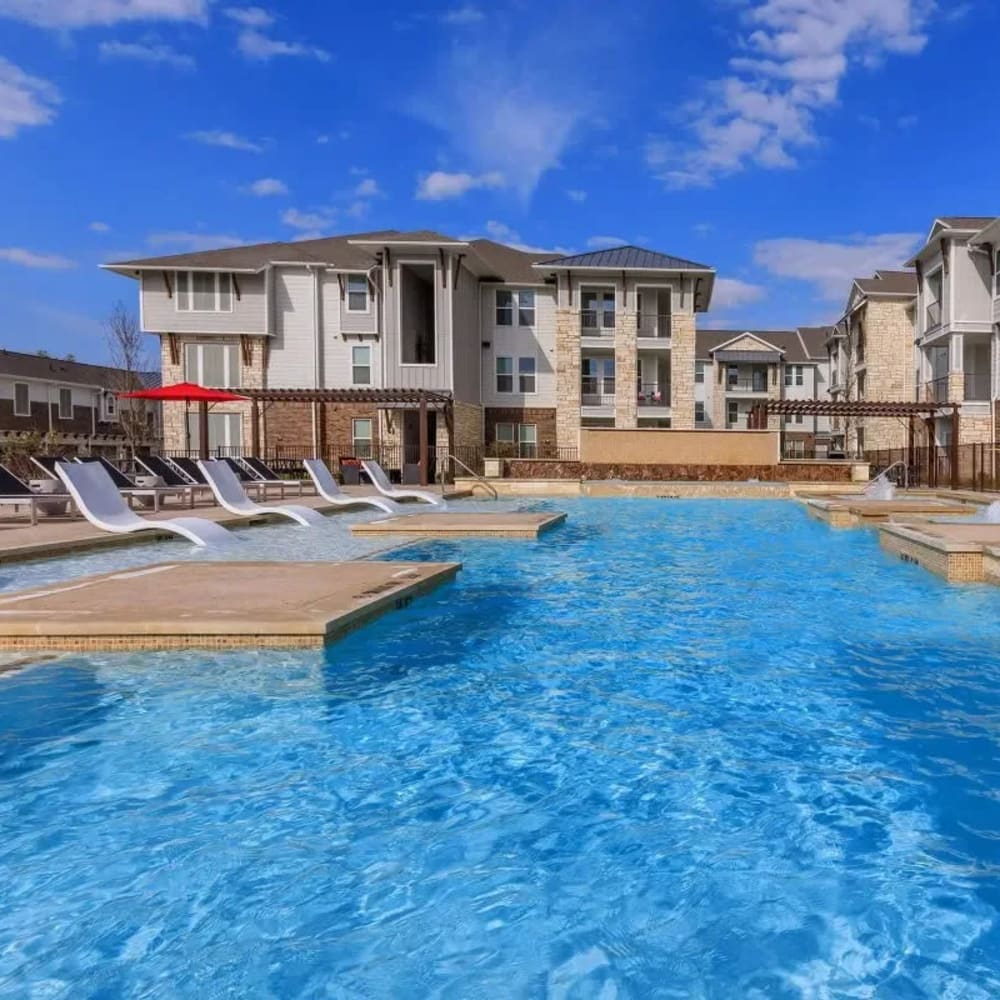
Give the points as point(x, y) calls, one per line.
point(327, 488)
point(130, 488)
point(230, 494)
point(262, 472)
point(16, 492)
point(381, 482)
point(103, 506)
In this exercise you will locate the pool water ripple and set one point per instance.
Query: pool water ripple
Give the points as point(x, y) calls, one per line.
point(696, 749)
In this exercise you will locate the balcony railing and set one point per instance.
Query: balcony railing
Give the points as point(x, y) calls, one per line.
point(936, 390)
point(654, 395)
point(597, 392)
point(597, 322)
point(977, 386)
point(753, 384)
point(933, 315)
point(654, 325)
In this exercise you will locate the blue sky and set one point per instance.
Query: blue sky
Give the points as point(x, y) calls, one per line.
point(791, 144)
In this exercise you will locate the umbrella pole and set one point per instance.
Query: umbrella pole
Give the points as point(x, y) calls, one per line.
point(203, 429)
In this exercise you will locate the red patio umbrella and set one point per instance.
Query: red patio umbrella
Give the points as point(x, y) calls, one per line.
point(189, 392)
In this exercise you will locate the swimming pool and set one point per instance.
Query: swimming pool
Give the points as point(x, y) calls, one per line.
point(673, 748)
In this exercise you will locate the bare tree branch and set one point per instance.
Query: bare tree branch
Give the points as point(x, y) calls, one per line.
point(127, 350)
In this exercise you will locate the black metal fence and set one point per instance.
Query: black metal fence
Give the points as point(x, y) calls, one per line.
point(976, 466)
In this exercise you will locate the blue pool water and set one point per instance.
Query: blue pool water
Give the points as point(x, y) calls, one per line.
point(673, 749)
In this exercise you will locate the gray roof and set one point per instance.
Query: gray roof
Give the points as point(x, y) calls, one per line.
point(889, 283)
point(500, 262)
point(795, 349)
point(965, 221)
point(15, 364)
point(625, 258)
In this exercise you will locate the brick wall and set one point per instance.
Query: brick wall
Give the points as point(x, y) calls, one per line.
point(545, 420)
point(813, 472)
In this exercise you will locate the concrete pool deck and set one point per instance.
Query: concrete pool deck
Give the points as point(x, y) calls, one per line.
point(213, 604)
point(850, 512)
point(960, 553)
point(467, 524)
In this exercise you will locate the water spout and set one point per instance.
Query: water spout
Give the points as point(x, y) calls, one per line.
point(880, 488)
point(992, 513)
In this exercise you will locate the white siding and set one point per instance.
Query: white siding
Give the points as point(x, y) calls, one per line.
point(291, 363)
point(337, 356)
point(161, 315)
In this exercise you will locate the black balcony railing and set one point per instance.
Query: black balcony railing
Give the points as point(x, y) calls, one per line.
point(977, 386)
point(936, 390)
point(756, 383)
point(597, 322)
point(654, 395)
point(598, 391)
point(655, 325)
point(933, 315)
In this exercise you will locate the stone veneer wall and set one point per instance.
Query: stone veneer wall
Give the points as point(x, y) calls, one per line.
point(797, 472)
point(568, 378)
point(627, 370)
point(682, 352)
point(889, 368)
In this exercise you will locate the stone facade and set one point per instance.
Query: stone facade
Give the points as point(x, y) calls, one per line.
point(627, 370)
point(567, 379)
point(792, 472)
point(682, 357)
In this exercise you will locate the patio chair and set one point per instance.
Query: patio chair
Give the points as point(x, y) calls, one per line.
point(381, 482)
point(188, 467)
point(261, 471)
point(17, 493)
point(47, 463)
point(103, 505)
point(230, 494)
point(251, 482)
point(171, 476)
point(327, 488)
point(130, 488)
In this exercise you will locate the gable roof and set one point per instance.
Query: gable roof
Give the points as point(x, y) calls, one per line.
point(800, 346)
point(16, 364)
point(972, 222)
point(500, 262)
point(625, 258)
point(903, 283)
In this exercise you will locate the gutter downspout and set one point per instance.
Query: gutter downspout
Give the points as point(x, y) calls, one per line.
point(317, 357)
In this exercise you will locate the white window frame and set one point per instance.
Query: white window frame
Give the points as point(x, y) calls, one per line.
point(601, 291)
point(511, 439)
point(697, 419)
point(63, 415)
point(507, 374)
point(233, 423)
point(732, 413)
point(231, 360)
point(355, 365)
point(188, 293)
point(509, 308)
point(110, 406)
point(363, 278)
point(699, 372)
point(356, 438)
point(27, 397)
point(525, 440)
point(522, 375)
point(514, 307)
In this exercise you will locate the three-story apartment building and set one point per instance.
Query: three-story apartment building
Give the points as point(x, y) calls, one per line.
point(531, 347)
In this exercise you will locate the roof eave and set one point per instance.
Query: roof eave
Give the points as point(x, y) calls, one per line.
point(126, 267)
point(988, 234)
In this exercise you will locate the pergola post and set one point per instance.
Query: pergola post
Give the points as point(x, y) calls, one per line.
point(931, 453)
point(203, 429)
point(954, 446)
point(910, 447)
point(255, 427)
point(449, 420)
point(423, 440)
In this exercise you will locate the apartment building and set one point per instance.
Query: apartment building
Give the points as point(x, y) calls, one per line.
point(956, 322)
point(871, 357)
point(68, 403)
point(737, 369)
point(530, 347)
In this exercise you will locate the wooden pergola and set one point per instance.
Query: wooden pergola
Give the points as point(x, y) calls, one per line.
point(909, 411)
point(422, 400)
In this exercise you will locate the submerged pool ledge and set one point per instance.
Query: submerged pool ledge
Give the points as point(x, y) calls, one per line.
point(220, 605)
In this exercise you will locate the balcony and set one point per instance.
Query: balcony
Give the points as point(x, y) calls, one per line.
point(653, 395)
point(933, 316)
point(653, 326)
point(597, 322)
point(977, 387)
point(936, 390)
point(754, 384)
point(597, 392)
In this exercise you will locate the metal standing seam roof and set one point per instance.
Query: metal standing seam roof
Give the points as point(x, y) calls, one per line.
point(625, 258)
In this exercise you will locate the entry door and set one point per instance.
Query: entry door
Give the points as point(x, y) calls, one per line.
point(411, 440)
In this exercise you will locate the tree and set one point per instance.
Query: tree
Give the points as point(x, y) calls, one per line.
point(127, 351)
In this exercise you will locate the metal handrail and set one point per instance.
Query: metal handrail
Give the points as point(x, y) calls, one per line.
point(475, 475)
point(884, 474)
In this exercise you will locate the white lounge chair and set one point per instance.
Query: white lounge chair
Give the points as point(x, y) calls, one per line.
point(327, 488)
point(230, 494)
point(98, 499)
point(381, 482)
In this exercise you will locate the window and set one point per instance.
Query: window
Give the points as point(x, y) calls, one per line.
point(699, 371)
point(520, 303)
point(417, 317)
point(504, 433)
point(505, 374)
point(204, 291)
point(357, 293)
point(527, 440)
point(526, 374)
point(523, 436)
point(22, 402)
point(732, 413)
point(699, 412)
point(361, 436)
point(733, 375)
point(65, 404)
point(794, 375)
point(214, 365)
point(110, 406)
point(225, 431)
point(794, 418)
point(597, 310)
point(361, 365)
point(861, 385)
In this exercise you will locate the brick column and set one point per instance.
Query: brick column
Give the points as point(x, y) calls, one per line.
point(567, 379)
point(626, 370)
point(682, 351)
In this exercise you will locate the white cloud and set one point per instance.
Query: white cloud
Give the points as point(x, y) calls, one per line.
point(500, 232)
point(29, 258)
point(368, 188)
point(831, 266)
point(146, 53)
point(577, 196)
point(467, 14)
point(440, 185)
point(317, 221)
point(25, 100)
point(603, 242)
point(254, 44)
point(99, 227)
point(308, 234)
point(703, 228)
point(790, 67)
point(322, 139)
point(731, 292)
point(266, 187)
point(192, 241)
point(86, 13)
point(249, 17)
point(228, 140)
